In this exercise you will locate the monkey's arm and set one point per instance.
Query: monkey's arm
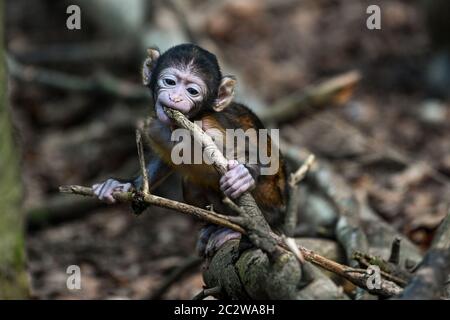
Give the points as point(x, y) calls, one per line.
point(156, 156)
point(157, 171)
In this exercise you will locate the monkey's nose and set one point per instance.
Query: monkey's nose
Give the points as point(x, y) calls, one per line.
point(176, 99)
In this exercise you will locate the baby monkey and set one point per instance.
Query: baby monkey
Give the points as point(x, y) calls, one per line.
point(188, 78)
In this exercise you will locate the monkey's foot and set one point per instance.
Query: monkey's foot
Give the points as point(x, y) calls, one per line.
point(212, 237)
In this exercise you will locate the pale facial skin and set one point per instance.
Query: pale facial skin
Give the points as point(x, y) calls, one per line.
point(182, 90)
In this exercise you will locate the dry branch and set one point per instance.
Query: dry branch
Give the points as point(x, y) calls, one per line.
point(75, 52)
point(140, 147)
point(395, 251)
point(151, 199)
point(101, 82)
point(432, 276)
point(298, 176)
point(390, 271)
point(335, 90)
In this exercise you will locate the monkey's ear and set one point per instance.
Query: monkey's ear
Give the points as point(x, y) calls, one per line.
point(149, 63)
point(226, 93)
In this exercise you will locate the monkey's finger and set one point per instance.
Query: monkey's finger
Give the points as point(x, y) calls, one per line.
point(245, 187)
point(232, 164)
point(110, 199)
point(247, 179)
point(239, 168)
point(231, 179)
point(229, 182)
point(98, 191)
point(223, 179)
point(96, 188)
point(102, 189)
point(234, 175)
point(107, 195)
point(241, 187)
point(107, 189)
point(124, 187)
point(236, 186)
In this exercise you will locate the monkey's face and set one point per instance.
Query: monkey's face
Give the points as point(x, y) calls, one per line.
point(180, 89)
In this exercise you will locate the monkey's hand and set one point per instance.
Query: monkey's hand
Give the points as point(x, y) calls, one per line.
point(237, 180)
point(105, 190)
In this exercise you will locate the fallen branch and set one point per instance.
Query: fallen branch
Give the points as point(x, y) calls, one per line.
point(388, 270)
point(101, 82)
point(335, 90)
point(75, 52)
point(432, 276)
point(150, 199)
point(394, 257)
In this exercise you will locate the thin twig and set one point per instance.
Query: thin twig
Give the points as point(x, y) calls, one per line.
point(151, 199)
point(140, 148)
point(298, 176)
point(211, 151)
point(385, 270)
point(233, 206)
point(290, 243)
point(395, 251)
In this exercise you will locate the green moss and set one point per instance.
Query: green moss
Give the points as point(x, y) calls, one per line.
point(13, 275)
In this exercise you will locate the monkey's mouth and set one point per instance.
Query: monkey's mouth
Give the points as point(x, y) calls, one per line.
point(162, 114)
point(163, 111)
point(168, 108)
point(164, 107)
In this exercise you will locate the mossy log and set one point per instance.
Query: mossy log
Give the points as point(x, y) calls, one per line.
point(13, 276)
point(249, 275)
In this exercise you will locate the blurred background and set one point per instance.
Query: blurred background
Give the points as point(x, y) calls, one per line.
point(75, 97)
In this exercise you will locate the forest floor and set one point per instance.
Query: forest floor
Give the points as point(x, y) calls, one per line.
point(390, 140)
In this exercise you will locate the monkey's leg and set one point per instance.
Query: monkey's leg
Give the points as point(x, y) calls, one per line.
point(212, 237)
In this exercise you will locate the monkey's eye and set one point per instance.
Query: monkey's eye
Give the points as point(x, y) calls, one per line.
point(193, 92)
point(169, 82)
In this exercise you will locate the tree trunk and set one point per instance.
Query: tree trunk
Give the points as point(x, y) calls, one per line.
point(13, 276)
